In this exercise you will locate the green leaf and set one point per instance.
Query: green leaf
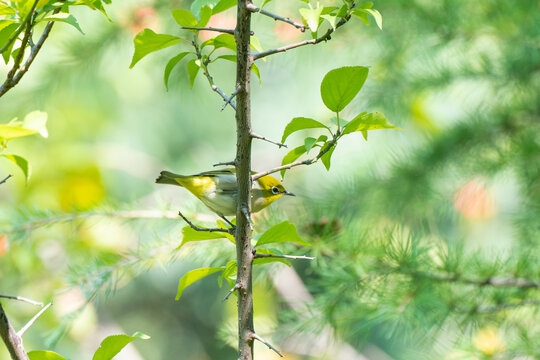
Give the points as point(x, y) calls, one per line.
point(8, 132)
point(223, 5)
point(170, 66)
point(365, 121)
point(342, 12)
point(184, 17)
point(206, 13)
point(191, 276)
point(198, 5)
point(327, 156)
point(364, 134)
point(309, 142)
point(112, 345)
point(256, 71)
point(7, 28)
point(292, 156)
point(6, 10)
point(189, 235)
point(21, 162)
point(259, 261)
point(255, 44)
point(37, 120)
point(224, 41)
point(312, 17)
point(300, 123)
point(44, 355)
point(375, 13)
point(232, 58)
point(148, 41)
point(341, 85)
point(331, 19)
point(193, 70)
point(282, 232)
point(63, 17)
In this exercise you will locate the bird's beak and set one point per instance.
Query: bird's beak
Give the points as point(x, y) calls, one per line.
point(288, 193)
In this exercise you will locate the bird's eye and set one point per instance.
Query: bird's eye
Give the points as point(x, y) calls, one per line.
point(275, 190)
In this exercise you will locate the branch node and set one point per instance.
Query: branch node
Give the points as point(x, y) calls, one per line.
point(246, 214)
point(233, 289)
point(230, 98)
point(257, 337)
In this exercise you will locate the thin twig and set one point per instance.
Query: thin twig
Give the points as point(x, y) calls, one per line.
point(11, 339)
point(322, 38)
point(257, 337)
point(20, 298)
point(230, 98)
point(226, 31)
point(323, 151)
point(256, 136)
point(233, 289)
point(5, 179)
point(196, 228)
point(209, 77)
point(292, 257)
point(32, 320)
point(226, 163)
point(255, 9)
point(246, 214)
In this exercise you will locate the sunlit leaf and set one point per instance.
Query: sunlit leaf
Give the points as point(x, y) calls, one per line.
point(292, 156)
point(63, 17)
point(282, 232)
point(8, 132)
point(44, 355)
point(148, 41)
point(375, 13)
point(37, 120)
point(341, 85)
point(189, 235)
point(6, 10)
point(170, 66)
point(21, 162)
point(206, 13)
point(255, 44)
point(327, 156)
point(193, 70)
point(368, 121)
point(184, 17)
point(7, 29)
point(300, 123)
point(191, 276)
point(331, 19)
point(112, 345)
point(224, 5)
point(312, 17)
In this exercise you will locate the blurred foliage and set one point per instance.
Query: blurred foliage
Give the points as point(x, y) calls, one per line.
point(404, 229)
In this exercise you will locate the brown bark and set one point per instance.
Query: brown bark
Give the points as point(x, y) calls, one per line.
point(11, 339)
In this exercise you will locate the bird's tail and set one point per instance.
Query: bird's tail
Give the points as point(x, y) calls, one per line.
point(166, 177)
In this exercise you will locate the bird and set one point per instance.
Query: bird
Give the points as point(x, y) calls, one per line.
point(218, 189)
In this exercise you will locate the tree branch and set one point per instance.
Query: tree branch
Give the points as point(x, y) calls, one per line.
point(226, 163)
point(11, 339)
point(20, 298)
point(226, 31)
point(210, 79)
point(323, 151)
point(257, 337)
point(325, 37)
point(495, 281)
point(292, 257)
point(255, 9)
point(230, 98)
point(233, 289)
point(5, 179)
point(21, 332)
point(196, 228)
point(17, 32)
point(256, 136)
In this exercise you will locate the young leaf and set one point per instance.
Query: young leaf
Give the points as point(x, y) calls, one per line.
point(184, 17)
point(312, 17)
point(193, 70)
point(21, 162)
point(282, 232)
point(300, 123)
point(189, 235)
point(206, 13)
point(255, 44)
point(112, 345)
point(148, 41)
point(292, 156)
point(7, 28)
point(331, 19)
point(327, 156)
point(191, 276)
point(44, 355)
point(375, 13)
point(225, 41)
point(8, 132)
point(63, 17)
point(223, 5)
point(36, 120)
point(365, 121)
point(341, 85)
point(170, 66)
point(309, 142)
point(6, 10)
point(364, 134)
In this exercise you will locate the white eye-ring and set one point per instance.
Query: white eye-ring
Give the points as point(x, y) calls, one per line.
point(275, 190)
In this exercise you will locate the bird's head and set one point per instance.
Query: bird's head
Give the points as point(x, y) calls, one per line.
point(272, 189)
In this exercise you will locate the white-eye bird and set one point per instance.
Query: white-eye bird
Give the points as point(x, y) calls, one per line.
point(218, 189)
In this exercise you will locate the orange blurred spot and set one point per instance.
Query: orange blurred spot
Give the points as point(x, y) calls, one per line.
point(3, 244)
point(474, 201)
point(219, 21)
point(286, 32)
point(144, 18)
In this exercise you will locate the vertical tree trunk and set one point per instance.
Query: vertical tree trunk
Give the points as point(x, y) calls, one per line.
point(243, 174)
point(11, 339)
